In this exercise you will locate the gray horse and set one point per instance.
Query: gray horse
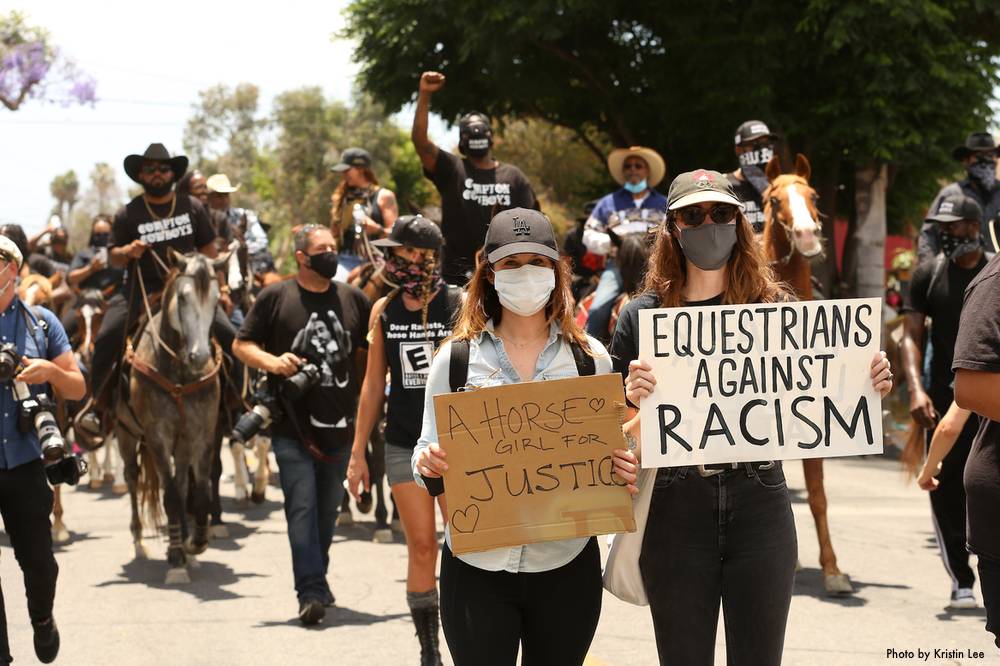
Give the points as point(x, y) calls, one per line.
point(165, 426)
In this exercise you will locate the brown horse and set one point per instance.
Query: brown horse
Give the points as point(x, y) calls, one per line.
point(792, 236)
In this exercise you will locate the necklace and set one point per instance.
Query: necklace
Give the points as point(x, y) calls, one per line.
point(173, 205)
point(522, 345)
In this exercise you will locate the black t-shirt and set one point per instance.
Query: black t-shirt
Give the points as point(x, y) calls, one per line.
point(409, 349)
point(42, 265)
point(325, 328)
point(752, 199)
point(625, 342)
point(942, 302)
point(103, 278)
point(978, 348)
point(186, 229)
point(470, 197)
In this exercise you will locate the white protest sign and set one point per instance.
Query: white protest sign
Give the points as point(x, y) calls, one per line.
point(738, 383)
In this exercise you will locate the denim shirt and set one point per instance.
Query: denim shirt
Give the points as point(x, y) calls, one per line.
point(17, 448)
point(489, 365)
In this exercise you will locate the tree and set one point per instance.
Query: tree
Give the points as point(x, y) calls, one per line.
point(32, 67)
point(65, 189)
point(223, 134)
point(857, 86)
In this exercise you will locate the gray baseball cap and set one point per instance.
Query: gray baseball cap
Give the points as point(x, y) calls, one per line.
point(519, 230)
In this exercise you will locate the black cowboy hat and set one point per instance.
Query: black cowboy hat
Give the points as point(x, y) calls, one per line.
point(977, 142)
point(156, 152)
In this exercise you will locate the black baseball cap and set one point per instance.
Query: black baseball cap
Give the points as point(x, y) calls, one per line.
point(353, 157)
point(519, 230)
point(752, 129)
point(413, 231)
point(956, 207)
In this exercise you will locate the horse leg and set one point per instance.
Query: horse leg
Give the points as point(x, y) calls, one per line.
point(174, 495)
point(128, 447)
point(261, 477)
point(377, 470)
point(241, 474)
point(94, 464)
point(202, 496)
point(59, 532)
point(218, 530)
point(834, 581)
point(117, 465)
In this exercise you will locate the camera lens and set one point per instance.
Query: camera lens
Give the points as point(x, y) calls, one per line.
point(250, 424)
point(9, 362)
point(299, 384)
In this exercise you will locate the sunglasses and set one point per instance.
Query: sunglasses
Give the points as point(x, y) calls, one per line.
point(694, 216)
point(156, 168)
point(633, 166)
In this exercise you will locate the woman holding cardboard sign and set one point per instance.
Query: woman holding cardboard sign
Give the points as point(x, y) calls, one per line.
point(517, 325)
point(714, 533)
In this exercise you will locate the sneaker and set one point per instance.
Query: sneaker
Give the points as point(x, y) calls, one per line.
point(963, 599)
point(46, 640)
point(311, 611)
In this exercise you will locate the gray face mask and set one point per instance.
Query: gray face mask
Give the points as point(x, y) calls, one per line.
point(984, 173)
point(709, 246)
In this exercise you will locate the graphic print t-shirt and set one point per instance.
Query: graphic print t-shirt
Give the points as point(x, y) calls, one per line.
point(324, 328)
point(409, 350)
point(752, 199)
point(470, 197)
point(186, 229)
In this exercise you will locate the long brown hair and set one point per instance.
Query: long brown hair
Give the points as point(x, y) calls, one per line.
point(750, 279)
point(337, 198)
point(482, 304)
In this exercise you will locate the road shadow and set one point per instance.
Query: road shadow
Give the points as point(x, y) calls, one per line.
point(335, 616)
point(363, 531)
point(208, 579)
point(74, 538)
point(809, 582)
point(102, 494)
point(250, 511)
point(237, 532)
point(950, 614)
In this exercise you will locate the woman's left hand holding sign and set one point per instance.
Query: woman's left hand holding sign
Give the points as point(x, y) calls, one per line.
point(640, 381)
point(430, 462)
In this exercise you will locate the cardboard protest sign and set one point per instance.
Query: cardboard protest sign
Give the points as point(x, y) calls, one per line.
point(760, 382)
point(533, 462)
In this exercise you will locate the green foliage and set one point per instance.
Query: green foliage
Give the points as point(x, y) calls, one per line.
point(897, 81)
point(65, 189)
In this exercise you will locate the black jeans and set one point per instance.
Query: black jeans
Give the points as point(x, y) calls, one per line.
point(119, 321)
point(730, 538)
point(948, 501)
point(989, 580)
point(25, 504)
point(552, 614)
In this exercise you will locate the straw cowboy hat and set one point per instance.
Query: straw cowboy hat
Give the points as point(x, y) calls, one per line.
point(657, 167)
point(156, 152)
point(219, 182)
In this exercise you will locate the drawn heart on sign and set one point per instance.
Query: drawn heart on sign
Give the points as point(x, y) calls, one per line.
point(597, 404)
point(465, 521)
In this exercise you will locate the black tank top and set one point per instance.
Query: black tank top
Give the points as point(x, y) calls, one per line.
point(409, 350)
point(369, 201)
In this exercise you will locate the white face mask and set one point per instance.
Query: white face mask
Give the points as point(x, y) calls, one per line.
point(525, 290)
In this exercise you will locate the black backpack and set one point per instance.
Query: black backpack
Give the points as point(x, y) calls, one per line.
point(458, 376)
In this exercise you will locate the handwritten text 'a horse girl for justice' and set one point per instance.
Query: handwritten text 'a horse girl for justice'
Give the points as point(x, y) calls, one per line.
point(760, 382)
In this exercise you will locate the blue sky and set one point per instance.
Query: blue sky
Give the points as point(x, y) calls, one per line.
point(149, 68)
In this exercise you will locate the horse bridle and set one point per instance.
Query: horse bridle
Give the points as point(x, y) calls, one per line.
point(790, 236)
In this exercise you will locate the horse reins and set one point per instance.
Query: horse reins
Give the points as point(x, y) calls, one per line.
point(174, 390)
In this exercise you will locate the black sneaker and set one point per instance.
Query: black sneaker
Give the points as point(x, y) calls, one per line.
point(46, 640)
point(311, 611)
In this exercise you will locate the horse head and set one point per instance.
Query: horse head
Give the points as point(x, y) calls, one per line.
point(791, 203)
point(189, 302)
point(90, 311)
point(35, 290)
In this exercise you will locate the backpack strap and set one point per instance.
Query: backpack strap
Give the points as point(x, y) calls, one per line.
point(585, 363)
point(458, 365)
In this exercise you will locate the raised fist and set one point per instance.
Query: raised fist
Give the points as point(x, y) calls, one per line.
point(431, 82)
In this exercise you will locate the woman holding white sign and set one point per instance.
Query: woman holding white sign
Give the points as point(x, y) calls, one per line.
point(714, 533)
point(517, 325)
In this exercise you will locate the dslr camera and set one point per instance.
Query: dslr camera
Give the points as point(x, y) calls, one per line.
point(266, 409)
point(35, 413)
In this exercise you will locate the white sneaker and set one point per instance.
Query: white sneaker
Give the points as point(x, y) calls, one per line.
point(963, 599)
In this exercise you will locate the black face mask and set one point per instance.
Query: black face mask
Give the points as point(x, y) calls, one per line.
point(475, 137)
point(100, 240)
point(157, 190)
point(954, 246)
point(324, 264)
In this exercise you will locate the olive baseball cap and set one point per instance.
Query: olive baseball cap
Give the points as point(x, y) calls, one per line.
point(956, 207)
point(353, 157)
point(694, 187)
point(413, 231)
point(520, 230)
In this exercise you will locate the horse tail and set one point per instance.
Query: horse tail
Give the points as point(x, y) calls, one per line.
point(149, 487)
point(912, 456)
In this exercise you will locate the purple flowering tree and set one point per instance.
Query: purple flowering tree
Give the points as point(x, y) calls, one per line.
point(31, 67)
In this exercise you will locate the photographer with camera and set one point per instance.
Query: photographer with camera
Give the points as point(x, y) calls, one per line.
point(308, 334)
point(34, 351)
